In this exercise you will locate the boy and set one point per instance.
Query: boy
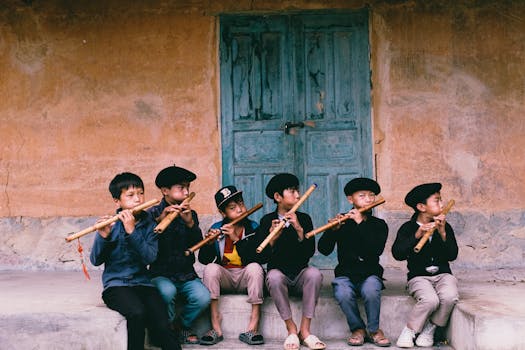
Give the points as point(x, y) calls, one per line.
point(231, 265)
point(430, 279)
point(288, 254)
point(360, 242)
point(125, 248)
point(173, 271)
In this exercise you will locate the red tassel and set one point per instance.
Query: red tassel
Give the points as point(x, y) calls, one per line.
point(84, 268)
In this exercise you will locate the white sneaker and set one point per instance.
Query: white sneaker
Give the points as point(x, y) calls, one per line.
point(406, 338)
point(426, 337)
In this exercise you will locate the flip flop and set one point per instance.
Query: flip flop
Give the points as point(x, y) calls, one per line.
point(211, 337)
point(292, 342)
point(379, 339)
point(312, 342)
point(357, 338)
point(251, 338)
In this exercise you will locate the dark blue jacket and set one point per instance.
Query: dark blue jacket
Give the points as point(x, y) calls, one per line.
point(125, 256)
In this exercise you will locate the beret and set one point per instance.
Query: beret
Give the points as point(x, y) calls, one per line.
point(361, 184)
point(225, 194)
point(280, 182)
point(173, 175)
point(420, 193)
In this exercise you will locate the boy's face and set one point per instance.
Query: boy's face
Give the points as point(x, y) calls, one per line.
point(176, 193)
point(233, 209)
point(130, 197)
point(361, 199)
point(433, 205)
point(289, 197)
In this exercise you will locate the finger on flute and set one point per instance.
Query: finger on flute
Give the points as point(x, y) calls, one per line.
point(430, 232)
point(111, 220)
point(171, 216)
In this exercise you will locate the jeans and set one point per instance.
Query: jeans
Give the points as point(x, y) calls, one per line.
point(195, 294)
point(346, 293)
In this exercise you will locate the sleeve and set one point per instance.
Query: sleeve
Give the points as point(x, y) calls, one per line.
point(451, 245)
point(195, 233)
point(208, 252)
point(326, 243)
point(307, 246)
point(102, 248)
point(247, 246)
point(144, 241)
point(405, 242)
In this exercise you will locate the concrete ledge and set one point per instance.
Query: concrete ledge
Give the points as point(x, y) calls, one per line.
point(61, 310)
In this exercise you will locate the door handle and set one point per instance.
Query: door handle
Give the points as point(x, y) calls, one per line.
point(289, 126)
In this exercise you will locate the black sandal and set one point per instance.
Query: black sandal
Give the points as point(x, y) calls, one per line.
point(211, 338)
point(251, 338)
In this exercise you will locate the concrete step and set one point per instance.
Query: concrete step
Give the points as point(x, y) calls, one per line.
point(60, 310)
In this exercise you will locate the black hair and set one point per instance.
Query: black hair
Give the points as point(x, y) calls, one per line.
point(123, 181)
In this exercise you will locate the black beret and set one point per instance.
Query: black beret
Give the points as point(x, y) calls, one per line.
point(280, 182)
point(225, 194)
point(173, 175)
point(420, 194)
point(361, 184)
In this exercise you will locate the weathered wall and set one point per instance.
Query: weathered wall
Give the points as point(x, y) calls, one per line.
point(92, 88)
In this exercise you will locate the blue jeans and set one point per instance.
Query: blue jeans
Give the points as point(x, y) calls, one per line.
point(196, 295)
point(346, 293)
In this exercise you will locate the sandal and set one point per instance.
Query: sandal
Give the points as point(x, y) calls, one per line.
point(251, 338)
point(187, 336)
point(211, 337)
point(312, 342)
point(292, 342)
point(379, 339)
point(357, 338)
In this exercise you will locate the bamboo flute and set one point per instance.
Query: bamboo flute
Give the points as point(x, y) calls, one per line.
point(329, 225)
point(171, 216)
point(429, 233)
point(111, 220)
point(214, 236)
point(283, 222)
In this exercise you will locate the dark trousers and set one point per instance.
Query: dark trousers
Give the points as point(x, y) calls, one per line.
point(142, 307)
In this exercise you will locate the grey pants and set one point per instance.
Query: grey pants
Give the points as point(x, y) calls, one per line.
point(307, 283)
point(435, 297)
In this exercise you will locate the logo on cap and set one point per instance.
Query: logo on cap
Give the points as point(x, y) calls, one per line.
point(225, 192)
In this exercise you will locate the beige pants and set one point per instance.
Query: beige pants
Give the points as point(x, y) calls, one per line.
point(435, 297)
point(248, 279)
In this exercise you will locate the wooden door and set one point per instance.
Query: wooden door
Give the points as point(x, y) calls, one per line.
point(295, 97)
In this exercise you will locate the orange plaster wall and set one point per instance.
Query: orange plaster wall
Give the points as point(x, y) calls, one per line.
point(89, 92)
point(92, 88)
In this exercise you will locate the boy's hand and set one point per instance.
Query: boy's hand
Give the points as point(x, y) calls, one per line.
point(356, 215)
point(229, 231)
point(106, 230)
point(275, 223)
point(128, 220)
point(424, 228)
point(338, 219)
point(185, 214)
point(292, 219)
point(213, 231)
point(440, 225)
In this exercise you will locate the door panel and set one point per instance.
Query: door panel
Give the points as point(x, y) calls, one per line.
point(309, 68)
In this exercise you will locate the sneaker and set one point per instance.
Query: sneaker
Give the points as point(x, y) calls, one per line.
point(406, 338)
point(426, 337)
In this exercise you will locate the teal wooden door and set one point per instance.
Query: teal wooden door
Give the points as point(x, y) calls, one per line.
point(295, 97)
